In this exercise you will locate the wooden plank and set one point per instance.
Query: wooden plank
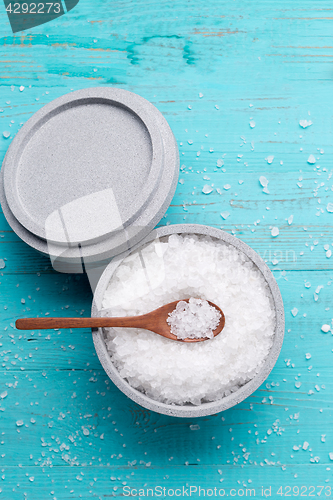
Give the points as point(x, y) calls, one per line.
point(94, 482)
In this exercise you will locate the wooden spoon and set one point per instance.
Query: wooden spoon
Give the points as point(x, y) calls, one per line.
point(155, 321)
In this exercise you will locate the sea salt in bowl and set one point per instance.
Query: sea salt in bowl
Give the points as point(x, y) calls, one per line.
point(190, 380)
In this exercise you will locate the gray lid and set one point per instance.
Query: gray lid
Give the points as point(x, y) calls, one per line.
point(123, 173)
point(84, 166)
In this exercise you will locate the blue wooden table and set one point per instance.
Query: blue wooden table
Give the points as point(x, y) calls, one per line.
point(233, 78)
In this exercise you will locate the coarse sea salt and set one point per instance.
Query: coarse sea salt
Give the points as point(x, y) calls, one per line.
point(178, 267)
point(305, 123)
point(195, 319)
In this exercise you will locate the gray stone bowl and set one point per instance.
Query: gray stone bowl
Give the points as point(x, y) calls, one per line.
point(190, 410)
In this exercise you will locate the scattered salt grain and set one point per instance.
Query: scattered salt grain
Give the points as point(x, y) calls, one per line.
point(173, 268)
point(6, 134)
point(290, 219)
point(325, 328)
point(19, 423)
point(329, 207)
point(3, 395)
point(294, 311)
point(226, 187)
point(207, 189)
point(252, 123)
point(2, 264)
point(269, 159)
point(22, 88)
point(219, 163)
point(305, 123)
point(263, 181)
point(331, 456)
point(311, 160)
point(195, 319)
point(225, 215)
point(275, 232)
point(195, 427)
point(305, 445)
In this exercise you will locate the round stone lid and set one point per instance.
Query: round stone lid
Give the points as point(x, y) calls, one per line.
point(84, 166)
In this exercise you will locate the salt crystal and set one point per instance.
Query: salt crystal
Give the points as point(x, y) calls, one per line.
point(294, 311)
point(325, 328)
point(252, 123)
point(305, 123)
point(21, 88)
point(6, 134)
point(195, 319)
point(207, 189)
point(269, 159)
point(224, 215)
point(305, 445)
point(311, 160)
point(194, 427)
point(19, 423)
point(290, 219)
point(3, 395)
point(263, 181)
point(275, 232)
point(308, 355)
point(331, 455)
point(329, 207)
point(226, 187)
point(329, 254)
point(219, 163)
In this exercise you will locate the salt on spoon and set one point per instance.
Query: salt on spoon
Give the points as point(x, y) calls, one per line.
point(157, 321)
point(194, 319)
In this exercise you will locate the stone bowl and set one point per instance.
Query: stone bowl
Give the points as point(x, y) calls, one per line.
point(189, 410)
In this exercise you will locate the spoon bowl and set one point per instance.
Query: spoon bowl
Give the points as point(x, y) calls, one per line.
point(155, 321)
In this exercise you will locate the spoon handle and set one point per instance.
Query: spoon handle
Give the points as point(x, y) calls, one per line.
point(50, 323)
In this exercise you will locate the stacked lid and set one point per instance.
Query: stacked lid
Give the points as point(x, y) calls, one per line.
point(89, 176)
